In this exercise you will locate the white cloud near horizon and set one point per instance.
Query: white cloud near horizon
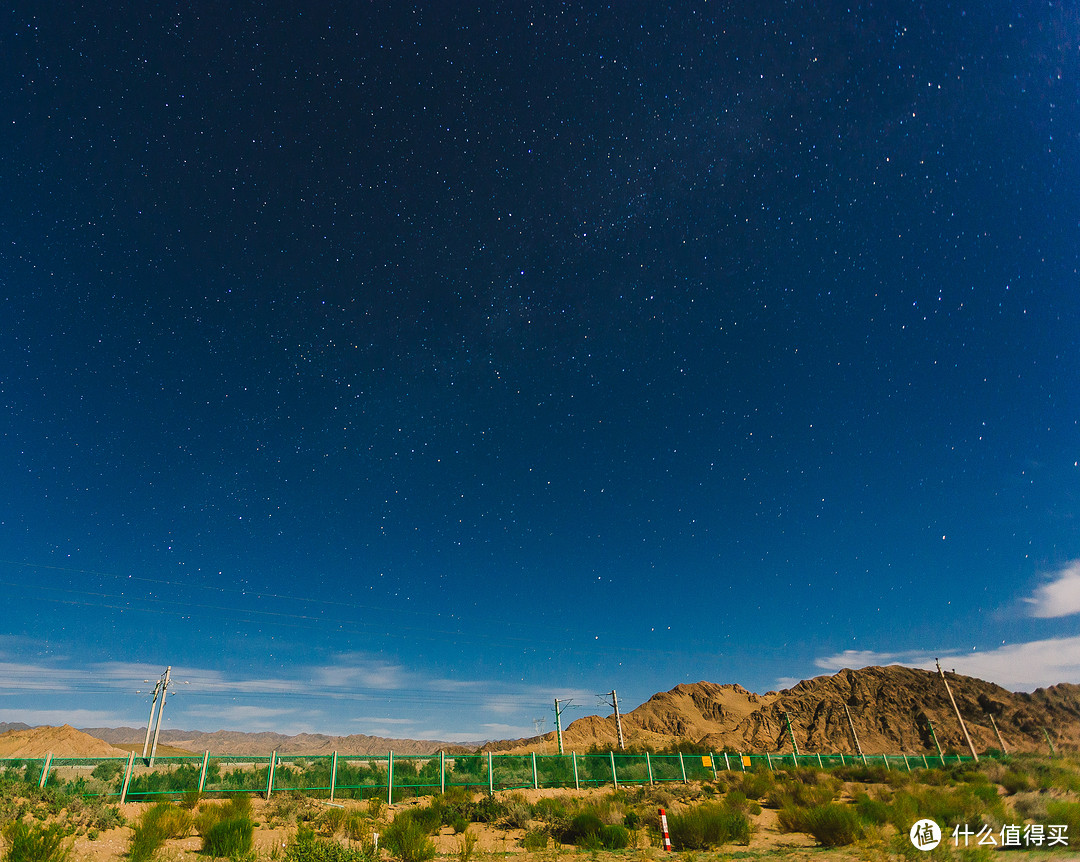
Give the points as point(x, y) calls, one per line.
point(1017, 667)
point(1060, 596)
point(73, 717)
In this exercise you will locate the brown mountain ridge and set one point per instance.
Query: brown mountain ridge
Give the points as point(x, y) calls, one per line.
point(892, 710)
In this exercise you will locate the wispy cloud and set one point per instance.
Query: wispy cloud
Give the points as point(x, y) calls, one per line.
point(1060, 596)
point(74, 717)
point(1019, 667)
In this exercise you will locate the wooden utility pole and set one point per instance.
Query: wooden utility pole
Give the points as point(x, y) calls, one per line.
point(791, 733)
point(854, 735)
point(937, 744)
point(161, 711)
point(150, 720)
point(1001, 741)
point(959, 718)
point(558, 721)
point(618, 720)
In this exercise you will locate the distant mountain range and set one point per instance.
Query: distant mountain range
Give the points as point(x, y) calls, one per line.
point(237, 742)
point(892, 709)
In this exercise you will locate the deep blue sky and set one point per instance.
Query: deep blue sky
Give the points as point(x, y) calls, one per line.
point(394, 370)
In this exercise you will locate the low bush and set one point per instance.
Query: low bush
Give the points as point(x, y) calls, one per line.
point(227, 830)
point(871, 811)
point(517, 811)
point(1015, 782)
point(428, 819)
point(1059, 812)
point(357, 827)
point(584, 830)
point(614, 837)
point(833, 825)
point(306, 846)
point(757, 784)
point(36, 843)
point(535, 839)
point(708, 825)
point(158, 824)
point(408, 840)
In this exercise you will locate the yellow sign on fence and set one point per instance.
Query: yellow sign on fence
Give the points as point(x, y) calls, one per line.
point(746, 761)
point(706, 761)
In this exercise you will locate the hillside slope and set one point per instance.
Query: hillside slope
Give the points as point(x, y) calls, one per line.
point(892, 710)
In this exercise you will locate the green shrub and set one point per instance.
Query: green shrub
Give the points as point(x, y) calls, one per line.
point(1059, 812)
point(408, 840)
point(1015, 782)
point(227, 830)
point(584, 830)
point(106, 771)
point(428, 818)
point(535, 839)
point(757, 784)
point(357, 827)
point(157, 824)
point(708, 825)
point(332, 820)
point(833, 825)
point(518, 812)
point(871, 811)
point(36, 842)
point(306, 846)
point(614, 837)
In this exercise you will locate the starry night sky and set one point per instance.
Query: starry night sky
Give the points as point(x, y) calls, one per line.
point(395, 369)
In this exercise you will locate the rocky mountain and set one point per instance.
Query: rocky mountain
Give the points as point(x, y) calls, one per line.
point(892, 710)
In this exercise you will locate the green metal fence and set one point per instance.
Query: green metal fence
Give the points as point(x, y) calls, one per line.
point(395, 777)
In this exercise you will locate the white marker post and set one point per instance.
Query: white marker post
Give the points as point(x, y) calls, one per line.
point(664, 832)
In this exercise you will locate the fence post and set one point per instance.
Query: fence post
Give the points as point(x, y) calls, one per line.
point(573, 757)
point(333, 774)
point(614, 777)
point(841, 758)
point(491, 776)
point(906, 764)
point(45, 770)
point(202, 772)
point(727, 763)
point(742, 763)
point(924, 763)
point(270, 774)
point(819, 763)
point(768, 759)
point(682, 766)
point(390, 778)
point(127, 778)
point(648, 764)
point(442, 771)
point(885, 758)
point(536, 781)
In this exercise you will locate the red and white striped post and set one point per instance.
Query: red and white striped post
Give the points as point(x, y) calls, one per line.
point(664, 831)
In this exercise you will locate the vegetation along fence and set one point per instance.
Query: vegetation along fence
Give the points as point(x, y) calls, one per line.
point(398, 776)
